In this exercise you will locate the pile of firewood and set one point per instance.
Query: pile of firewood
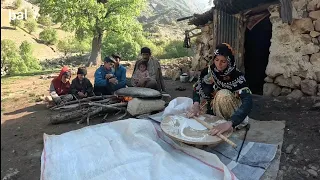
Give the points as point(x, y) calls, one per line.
point(83, 109)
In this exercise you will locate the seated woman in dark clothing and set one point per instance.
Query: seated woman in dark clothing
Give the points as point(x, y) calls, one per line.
point(81, 86)
point(223, 90)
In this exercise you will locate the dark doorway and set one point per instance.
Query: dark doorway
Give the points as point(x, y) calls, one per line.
point(257, 44)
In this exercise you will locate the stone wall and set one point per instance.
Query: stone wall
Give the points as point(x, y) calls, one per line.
point(173, 68)
point(204, 48)
point(294, 62)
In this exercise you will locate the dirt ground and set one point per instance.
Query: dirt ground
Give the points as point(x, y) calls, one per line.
point(23, 123)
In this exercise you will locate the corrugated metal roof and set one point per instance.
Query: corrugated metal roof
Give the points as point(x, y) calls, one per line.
point(236, 6)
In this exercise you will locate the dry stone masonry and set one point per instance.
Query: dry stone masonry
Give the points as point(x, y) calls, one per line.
point(293, 69)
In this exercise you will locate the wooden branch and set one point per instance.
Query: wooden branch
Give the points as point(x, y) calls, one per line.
point(124, 115)
point(83, 100)
point(198, 34)
point(98, 110)
point(111, 106)
point(69, 116)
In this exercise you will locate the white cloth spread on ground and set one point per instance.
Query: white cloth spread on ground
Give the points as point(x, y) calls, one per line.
point(126, 150)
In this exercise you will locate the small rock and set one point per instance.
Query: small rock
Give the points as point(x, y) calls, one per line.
point(303, 25)
point(314, 34)
point(317, 105)
point(306, 58)
point(296, 94)
point(283, 168)
point(289, 148)
point(302, 172)
point(314, 15)
point(315, 59)
point(268, 79)
point(285, 91)
point(314, 167)
point(312, 5)
point(312, 172)
point(309, 49)
point(309, 87)
point(296, 151)
point(315, 41)
point(305, 38)
point(317, 25)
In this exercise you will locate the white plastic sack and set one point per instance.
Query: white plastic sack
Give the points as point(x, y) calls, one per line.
point(132, 149)
point(177, 106)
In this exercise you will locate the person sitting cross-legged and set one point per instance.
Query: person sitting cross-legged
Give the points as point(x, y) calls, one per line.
point(119, 72)
point(81, 86)
point(154, 69)
point(104, 78)
point(60, 88)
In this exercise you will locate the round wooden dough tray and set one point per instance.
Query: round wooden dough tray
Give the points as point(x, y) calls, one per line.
point(189, 131)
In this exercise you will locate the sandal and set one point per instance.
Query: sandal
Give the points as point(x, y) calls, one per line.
point(180, 88)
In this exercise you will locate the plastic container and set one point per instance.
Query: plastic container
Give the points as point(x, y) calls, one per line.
point(184, 78)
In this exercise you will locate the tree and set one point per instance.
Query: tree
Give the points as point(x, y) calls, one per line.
point(49, 36)
point(10, 57)
point(31, 25)
point(81, 46)
point(26, 56)
point(123, 44)
point(93, 18)
point(65, 46)
point(175, 49)
point(9, 52)
point(16, 23)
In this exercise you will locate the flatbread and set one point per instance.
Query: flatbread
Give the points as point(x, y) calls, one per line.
point(189, 131)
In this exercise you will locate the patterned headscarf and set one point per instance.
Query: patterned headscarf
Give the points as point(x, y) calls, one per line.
point(231, 78)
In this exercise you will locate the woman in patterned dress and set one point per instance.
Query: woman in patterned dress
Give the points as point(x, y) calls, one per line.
point(223, 90)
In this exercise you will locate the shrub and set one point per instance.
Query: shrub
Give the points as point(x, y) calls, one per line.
point(9, 52)
point(45, 20)
point(48, 36)
point(17, 4)
point(16, 23)
point(73, 45)
point(26, 56)
point(18, 61)
point(30, 14)
point(64, 46)
point(31, 25)
point(175, 49)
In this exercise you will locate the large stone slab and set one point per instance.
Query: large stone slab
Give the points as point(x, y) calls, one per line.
point(143, 106)
point(138, 92)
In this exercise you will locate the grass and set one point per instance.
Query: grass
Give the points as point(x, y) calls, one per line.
point(33, 73)
point(32, 95)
